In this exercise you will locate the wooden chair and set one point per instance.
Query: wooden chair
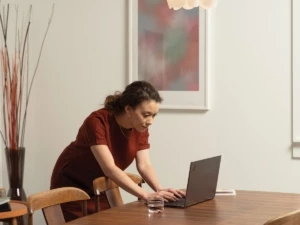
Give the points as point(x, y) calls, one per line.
point(292, 218)
point(49, 202)
point(104, 185)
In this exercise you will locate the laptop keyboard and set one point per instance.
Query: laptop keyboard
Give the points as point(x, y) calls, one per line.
point(179, 202)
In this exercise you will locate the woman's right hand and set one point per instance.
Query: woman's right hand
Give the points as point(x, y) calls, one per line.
point(166, 195)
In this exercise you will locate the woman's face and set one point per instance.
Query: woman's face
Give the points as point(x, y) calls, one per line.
point(142, 116)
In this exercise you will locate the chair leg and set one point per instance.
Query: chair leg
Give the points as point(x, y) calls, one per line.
point(30, 219)
point(84, 207)
point(97, 199)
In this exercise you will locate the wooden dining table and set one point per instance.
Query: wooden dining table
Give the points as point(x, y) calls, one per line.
point(244, 208)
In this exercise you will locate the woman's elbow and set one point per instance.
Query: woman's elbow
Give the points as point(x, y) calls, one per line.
point(108, 171)
point(143, 168)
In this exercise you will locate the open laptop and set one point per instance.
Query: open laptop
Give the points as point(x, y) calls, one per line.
point(202, 183)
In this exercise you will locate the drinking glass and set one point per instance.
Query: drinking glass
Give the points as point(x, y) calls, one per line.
point(155, 204)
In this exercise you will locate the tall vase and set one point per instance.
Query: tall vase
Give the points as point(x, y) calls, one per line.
point(15, 169)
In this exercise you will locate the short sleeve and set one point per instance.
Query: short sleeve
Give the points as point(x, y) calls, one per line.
point(94, 131)
point(144, 140)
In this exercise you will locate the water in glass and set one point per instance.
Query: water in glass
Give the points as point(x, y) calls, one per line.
point(155, 205)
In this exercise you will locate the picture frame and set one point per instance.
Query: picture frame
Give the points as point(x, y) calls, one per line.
point(295, 79)
point(184, 93)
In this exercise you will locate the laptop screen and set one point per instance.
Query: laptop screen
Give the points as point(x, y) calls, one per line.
point(203, 179)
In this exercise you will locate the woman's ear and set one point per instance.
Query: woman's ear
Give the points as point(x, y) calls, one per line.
point(128, 110)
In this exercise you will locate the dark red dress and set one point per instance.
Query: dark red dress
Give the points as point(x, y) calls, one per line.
point(77, 166)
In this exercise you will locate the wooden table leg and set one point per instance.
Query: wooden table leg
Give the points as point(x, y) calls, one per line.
point(14, 221)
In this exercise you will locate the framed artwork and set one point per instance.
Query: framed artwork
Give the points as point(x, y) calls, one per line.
point(296, 78)
point(168, 48)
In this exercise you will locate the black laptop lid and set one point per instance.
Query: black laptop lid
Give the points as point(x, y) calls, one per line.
point(203, 179)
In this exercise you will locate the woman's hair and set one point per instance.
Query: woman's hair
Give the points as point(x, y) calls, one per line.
point(133, 95)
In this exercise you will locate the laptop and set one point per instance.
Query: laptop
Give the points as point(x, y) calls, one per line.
point(202, 183)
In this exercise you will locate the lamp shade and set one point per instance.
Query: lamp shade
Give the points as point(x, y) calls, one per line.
point(189, 4)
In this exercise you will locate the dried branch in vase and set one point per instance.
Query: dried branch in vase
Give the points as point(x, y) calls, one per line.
point(16, 79)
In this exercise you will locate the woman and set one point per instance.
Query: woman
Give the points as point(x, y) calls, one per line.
point(107, 143)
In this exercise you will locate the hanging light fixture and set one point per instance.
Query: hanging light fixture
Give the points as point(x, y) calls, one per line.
point(189, 4)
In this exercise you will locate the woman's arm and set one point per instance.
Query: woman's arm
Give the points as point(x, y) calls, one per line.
point(107, 164)
point(143, 164)
point(146, 170)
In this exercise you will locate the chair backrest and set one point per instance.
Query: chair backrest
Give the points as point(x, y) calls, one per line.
point(292, 218)
point(104, 185)
point(49, 202)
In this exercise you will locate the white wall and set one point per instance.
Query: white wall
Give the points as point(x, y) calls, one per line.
point(250, 89)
